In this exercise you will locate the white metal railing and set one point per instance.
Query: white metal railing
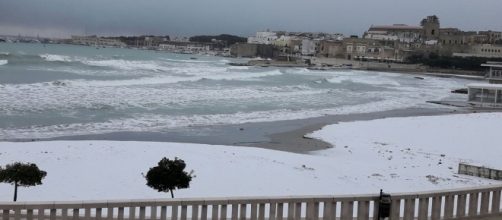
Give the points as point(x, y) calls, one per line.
point(445, 204)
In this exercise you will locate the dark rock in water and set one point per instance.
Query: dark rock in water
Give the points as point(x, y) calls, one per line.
point(58, 83)
point(418, 77)
point(193, 58)
point(242, 129)
point(460, 91)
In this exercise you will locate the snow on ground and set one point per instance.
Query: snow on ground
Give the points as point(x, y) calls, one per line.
point(396, 154)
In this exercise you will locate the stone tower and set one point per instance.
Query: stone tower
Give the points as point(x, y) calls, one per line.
point(430, 27)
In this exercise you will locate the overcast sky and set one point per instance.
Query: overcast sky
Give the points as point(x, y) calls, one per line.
point(61, 18)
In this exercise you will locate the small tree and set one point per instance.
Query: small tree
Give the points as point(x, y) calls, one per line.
point(169, 175)
point(22, 174)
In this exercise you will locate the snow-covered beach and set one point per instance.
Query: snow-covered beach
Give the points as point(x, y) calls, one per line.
point(394, 154)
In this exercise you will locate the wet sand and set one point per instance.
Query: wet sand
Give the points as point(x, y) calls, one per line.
point(278, 135)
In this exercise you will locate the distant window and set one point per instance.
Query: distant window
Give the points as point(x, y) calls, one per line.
point(433, 32)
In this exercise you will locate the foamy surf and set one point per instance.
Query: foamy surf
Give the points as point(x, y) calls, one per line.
point(3, 62)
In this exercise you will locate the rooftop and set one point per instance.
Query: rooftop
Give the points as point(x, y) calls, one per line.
point(396, 27)
point(484, 86)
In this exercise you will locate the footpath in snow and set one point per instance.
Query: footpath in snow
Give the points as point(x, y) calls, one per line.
point(395, 154)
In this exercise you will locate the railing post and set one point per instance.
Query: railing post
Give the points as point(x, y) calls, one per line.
point(363, 210)
point(120, 214)
point(195, 212)
point(329, 210)
point(76, 214)
point(409, 209)
point(423, 208)
point(279, 210)
point(153, 212)
point(183, 212)
point(261, 212)
point(485, 201)
point(448, 206)
point(243, 211)
point(395, 208)
point(347, 210)
point(496, 201)
point(203, 212)
point(163, 212)
point(254, 211)
point(473, 204)
point(29, 214)
point(436, 208)
point(461, 205)
point(235, 211)
point(223, 212)
point(132, 212)
point(174, 212)
point(214, 212)
point(5, 214)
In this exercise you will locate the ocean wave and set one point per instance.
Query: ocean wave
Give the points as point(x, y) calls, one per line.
point(364, 79)
point(126, 64)
point(186, 61)
point(4, 53)
point(159, 123)
point(3, 62)
point(56, 58)
point(176, 79)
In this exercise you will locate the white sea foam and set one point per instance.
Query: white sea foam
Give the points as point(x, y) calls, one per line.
point(3, 62)
point(175, 79)
point(56, 58)
point(5, 53)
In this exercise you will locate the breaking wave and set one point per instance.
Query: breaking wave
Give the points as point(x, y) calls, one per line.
point(3, 62)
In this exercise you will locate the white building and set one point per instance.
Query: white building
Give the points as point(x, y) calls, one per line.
point(309, 47)
point(264, 37)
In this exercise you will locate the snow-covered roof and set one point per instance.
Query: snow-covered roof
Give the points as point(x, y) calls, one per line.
point(484, 86)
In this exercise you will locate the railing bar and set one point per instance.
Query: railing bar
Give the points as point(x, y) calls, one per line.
point(496, 201)
point(223, 212)
point(298, 211)
point(273, 214)
point(473, 204)
point(243, 211)
point(291, 211)
point(203, 212)
point(235, 211)
point(195, 212)
point(76, 214)
point(174, 212)
point(120, 214)
point(254, 212)
point(214, 212)
point(183, 212)
point(153, 212)
point(261, 212)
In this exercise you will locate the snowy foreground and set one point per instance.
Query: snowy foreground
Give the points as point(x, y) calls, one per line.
point(396, 154)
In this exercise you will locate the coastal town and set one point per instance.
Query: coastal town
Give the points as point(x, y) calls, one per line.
point(426, 42)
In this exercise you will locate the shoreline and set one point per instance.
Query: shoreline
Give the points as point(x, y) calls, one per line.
point(288, 136)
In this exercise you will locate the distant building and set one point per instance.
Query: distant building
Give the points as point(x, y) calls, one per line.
point(253, 50)
point(368, 49)
point(187, 47)
point(264, 37)
point(397, 32)
point(331, 48)
point(482, 50)
point(309, 47)
point(96, 41)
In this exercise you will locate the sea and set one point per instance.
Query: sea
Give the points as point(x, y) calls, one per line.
point(57, 90)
